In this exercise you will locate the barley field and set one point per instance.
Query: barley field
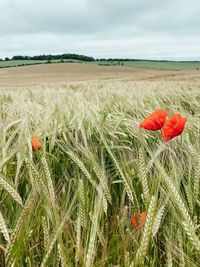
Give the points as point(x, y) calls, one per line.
point(72, 202)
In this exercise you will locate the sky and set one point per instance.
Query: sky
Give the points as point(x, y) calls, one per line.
point(148, 29)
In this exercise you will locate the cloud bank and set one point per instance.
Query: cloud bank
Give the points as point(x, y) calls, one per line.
point(108, 28)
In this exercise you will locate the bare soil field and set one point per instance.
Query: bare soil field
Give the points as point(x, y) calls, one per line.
point(64, 73)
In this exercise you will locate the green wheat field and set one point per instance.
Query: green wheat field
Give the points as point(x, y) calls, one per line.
point(71, 203)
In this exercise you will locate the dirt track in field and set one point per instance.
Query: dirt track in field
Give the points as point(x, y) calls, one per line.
point(63, 73)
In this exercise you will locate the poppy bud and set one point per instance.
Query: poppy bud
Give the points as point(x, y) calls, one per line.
point(134, 219)
point(143, 217)
point(36, 145)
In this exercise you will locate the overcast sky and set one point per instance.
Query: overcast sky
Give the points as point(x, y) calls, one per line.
point(153, 29)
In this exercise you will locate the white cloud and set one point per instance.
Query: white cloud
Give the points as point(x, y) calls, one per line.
point(106, 28)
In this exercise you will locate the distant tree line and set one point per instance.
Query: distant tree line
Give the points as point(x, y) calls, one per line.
point(70, 56)
point(55, 57)
point(150, 60)
point(6, 59)
point(125, 59)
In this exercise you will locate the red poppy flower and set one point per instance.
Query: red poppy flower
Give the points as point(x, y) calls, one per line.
point(36, 145)
point(155, 120)
point(143, 217)
point(134, 220)
point(173, 127)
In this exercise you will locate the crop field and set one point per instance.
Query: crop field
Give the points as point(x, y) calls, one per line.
point(168, 65)
point(67, 72)
point(16, 63)
point(63, 73)
point(165, 65)
point(93, 188)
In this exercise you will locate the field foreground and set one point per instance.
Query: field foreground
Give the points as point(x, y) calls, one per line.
point(71, 203)
point(65, 73)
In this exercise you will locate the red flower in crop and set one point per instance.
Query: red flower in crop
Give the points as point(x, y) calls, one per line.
point(143, 217)
point(173, 127)
point(36, 145)
point(155, 120)
point(134, 220)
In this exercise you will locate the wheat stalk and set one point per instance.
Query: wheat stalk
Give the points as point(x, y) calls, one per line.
point(190, 231)
point(45, 233)
point(196, 179)
point(158, 219)
point(12, 192)
point(78, 239)
point(3, 228)
point(169, 260)
point(35, 178)
point(19, 225)
point(143, 175)
point(142, 250)
point(180, 242)
point(82, 204)
point(49, 180)
point(53, 136)
point(93, 233)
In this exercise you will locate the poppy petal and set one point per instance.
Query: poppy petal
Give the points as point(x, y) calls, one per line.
point(155, 120)
point(173, 127)
point(134, 220)
point(143, 217)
